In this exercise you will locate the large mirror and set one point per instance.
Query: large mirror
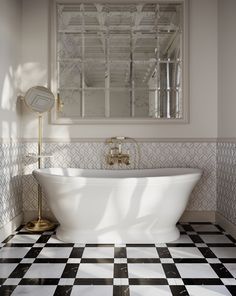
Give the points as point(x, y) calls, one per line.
point(120, 62)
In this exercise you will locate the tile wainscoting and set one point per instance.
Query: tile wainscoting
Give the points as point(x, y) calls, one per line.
point(10, 181)
point(152, 155)
point(226, 179)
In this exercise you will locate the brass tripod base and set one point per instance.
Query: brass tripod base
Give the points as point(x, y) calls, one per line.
point(39, 225)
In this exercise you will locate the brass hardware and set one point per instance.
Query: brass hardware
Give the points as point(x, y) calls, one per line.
point(115, 155)
point(60, 104)
point(39, 225)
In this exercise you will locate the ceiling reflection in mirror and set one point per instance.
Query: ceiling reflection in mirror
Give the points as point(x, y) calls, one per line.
point(120, 60)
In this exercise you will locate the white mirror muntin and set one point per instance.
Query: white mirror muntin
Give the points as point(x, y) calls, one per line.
point(39, 99)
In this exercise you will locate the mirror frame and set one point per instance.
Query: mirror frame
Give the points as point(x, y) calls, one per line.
point(52, 77)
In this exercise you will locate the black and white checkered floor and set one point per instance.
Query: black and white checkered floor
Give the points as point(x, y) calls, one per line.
point(202, 263)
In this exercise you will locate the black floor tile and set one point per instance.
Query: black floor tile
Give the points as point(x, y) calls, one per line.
point(171, 270)
point(179, 291)
point(7, 290)
point(163, 252)
point(97, 260)
point(232, 290)
point(85, 281)
point(148, 281)
point(221, 271)
point(196, 239)
point(33, 252)
point(76, 253)
point(120, 271)
point(120, 252)
point(36, 281)
point(143, 260)
point(63, 291)
point(190, 260)
point(70, 271)
point(50, 260)
point(121, 291)
point(20, 270)
point(207, 252)
point(43, 239)
point(205, 281)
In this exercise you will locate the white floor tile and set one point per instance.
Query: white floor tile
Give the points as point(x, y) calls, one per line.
point(92, 290)
point(229, 281)
point(27, 260)
point(166, 260)
point(208, 290)
point(34, 290)
point(24, 239)
point(74, 260)
point(185, 252)
point(45, 270)
point(175, 282)
point(120, 281)
point(149, 291)
point(196, 270)
point(215, 239)
point(39, 245)
point(150, 270)
point(95, 270)
point(98, 252)
point(79, 245)
point(66, 282)
point(136, 252)
point(120, 260)
point(205, 227)
point(160, 245)
point(231, 268)
point(6, 269)
point(54, 240)
point(221, 252)
point(57, 252)
point(13, 252)
point(12, 282)
point(213, 260)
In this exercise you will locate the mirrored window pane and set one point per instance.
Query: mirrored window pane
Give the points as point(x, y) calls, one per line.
point(71, 100)
point(120, 103)
point(94, 98)
point(119, 74)
point(94, 74)
point(141, 103)
point(70, 74)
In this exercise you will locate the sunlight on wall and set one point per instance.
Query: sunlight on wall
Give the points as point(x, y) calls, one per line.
point(7, 92)
point(34, 74)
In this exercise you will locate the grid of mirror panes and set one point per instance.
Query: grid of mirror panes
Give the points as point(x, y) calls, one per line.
point(120, 60)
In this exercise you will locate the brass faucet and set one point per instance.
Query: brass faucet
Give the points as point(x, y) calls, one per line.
point(116, 154)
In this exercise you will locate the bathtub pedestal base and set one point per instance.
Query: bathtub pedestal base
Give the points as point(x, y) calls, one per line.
point(77, 236)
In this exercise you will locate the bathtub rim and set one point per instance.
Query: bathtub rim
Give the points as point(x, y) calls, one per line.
point(190, 174)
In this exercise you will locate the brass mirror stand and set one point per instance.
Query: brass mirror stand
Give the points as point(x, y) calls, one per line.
point(40, 224)
point(39, 99)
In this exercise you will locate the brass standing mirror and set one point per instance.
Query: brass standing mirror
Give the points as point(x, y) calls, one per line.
point(39, 100)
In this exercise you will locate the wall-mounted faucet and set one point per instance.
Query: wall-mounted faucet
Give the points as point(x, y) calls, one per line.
point(116, 155)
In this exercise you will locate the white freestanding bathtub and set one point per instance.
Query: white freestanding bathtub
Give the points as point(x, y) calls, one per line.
point(115, 206)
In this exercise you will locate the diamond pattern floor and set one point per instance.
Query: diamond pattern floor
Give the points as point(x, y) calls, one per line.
point(201, 262)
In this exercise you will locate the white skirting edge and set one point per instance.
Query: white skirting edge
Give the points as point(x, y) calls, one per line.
point(198, 216)
point(226, 224)
point(10, 227)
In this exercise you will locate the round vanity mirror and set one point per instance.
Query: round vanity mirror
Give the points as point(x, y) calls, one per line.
point(39, 99)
